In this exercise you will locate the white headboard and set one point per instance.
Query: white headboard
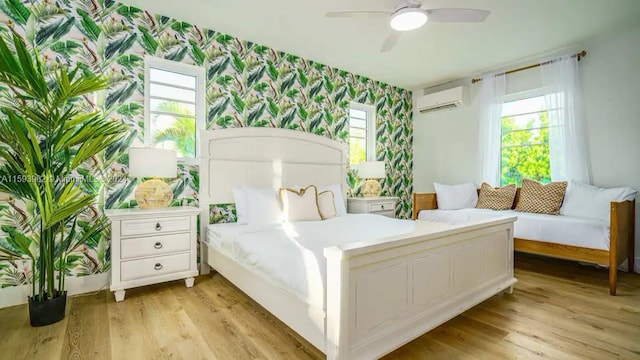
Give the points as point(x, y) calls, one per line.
point(266, 157)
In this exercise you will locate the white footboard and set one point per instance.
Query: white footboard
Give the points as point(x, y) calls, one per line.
point(382, 296)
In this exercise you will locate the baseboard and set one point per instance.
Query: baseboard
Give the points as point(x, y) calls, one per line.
point(17, 295)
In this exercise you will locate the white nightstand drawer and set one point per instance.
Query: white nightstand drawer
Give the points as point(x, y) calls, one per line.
point(154, 226)
point(382, 206)
point(154, 245)
point(161, 265)
point(390, 214)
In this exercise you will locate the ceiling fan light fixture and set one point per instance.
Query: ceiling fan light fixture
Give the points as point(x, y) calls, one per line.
point(408, 19)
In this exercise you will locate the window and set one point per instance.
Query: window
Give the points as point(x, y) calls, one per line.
point(524, 146)
point(174, 106)
point(362, 133)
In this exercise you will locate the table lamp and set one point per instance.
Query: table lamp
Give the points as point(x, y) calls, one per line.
point(153, 163)
point(371, 170)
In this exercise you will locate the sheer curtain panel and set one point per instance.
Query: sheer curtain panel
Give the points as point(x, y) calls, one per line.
point(489, 134)
point(568, 148)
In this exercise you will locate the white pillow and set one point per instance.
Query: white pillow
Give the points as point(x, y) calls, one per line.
point(584, 200)
point(242, 208)
point(338, 198)
point(300, 204)
point(452, 197)
point(263, 206)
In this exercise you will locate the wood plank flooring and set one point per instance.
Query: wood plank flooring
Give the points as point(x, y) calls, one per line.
point(559, 310)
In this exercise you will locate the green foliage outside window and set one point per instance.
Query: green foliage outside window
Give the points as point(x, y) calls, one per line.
point(357, 150)
point(525, 151)
point(181, 135)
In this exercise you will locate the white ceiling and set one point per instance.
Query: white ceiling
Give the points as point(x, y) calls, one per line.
point(435, 53)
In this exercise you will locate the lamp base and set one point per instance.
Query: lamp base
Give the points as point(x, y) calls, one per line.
point(371, 188)
point(153, 194)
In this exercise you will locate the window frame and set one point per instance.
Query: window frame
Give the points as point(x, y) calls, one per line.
point(200, 104)
point(370, 137)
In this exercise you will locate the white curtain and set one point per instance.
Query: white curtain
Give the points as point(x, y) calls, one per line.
point(493, 90)
point(568, 149)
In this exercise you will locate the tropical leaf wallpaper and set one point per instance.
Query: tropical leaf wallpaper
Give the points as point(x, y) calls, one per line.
point(247, 85)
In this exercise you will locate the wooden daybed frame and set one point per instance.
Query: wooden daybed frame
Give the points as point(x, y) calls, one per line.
point(621, 247)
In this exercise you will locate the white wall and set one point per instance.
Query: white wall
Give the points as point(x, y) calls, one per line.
point(445, 142)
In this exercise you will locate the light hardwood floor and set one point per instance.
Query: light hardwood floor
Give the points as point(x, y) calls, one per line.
point(559, 310)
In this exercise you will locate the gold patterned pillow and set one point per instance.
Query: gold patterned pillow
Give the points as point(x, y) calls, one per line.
point(541, 199)
point(496, 199)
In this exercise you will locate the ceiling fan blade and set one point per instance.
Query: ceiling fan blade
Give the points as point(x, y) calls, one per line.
point(457, 15)
point(390, 41)
point(342, 14)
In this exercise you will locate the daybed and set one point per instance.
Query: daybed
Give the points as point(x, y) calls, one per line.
point(588, 240)
point(350, 291)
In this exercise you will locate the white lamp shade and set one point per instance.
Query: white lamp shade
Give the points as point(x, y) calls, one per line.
point(147, 162)
point(371, 170)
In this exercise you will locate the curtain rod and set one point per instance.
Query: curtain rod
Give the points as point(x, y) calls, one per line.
point(579, 55)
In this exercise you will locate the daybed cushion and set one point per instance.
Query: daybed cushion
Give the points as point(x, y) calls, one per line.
point(541, 199)
point(460, 196)
point(496, 199)
point(567, 230)
point(590, 201)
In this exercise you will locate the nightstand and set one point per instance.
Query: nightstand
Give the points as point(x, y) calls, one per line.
point(152, 246)
point(383, 205)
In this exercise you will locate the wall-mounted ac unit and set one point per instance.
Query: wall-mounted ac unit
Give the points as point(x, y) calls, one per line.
point(446, 99)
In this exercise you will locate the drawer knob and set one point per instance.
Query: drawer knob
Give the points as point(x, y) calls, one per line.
point(382, 206)
point(158, 227)
point(158, 266)
point(158, 245)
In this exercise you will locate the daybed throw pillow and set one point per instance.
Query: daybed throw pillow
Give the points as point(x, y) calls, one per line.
point(300, 205)
point(496, 199)
point(590, 201)
point(453, 197)
point(541, 199)
point(326, 205)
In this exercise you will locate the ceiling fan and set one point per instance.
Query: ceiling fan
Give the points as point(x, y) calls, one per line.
point(410, 15)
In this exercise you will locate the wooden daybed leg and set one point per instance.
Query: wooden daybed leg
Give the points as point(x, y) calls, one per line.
point(613, 279)
point(632, 236)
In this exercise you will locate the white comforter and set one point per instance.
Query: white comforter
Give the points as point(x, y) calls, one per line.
point(291, 254)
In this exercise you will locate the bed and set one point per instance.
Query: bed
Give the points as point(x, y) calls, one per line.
point(355, 287)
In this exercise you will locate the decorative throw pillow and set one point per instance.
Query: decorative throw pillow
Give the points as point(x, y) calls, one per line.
point(300, 205)
point(496, 199)
point(541, 199)
point(326, 205)
point(338, 198)
point(584, 200)
point(453, 197)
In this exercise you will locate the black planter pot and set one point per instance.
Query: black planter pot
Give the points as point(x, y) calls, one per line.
point(47, 311)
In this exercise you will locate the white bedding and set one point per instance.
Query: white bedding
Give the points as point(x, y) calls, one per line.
point(291, 254)
point(567, 230)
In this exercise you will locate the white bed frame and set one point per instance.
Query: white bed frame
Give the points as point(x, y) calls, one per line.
point(378, 297)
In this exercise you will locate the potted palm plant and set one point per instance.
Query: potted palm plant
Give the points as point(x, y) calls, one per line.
point(47, 132)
